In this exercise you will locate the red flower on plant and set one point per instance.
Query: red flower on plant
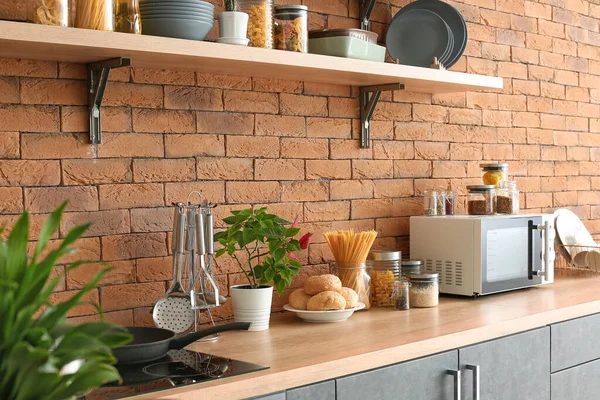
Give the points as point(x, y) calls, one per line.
point(292, 256)
point(305, 241)
point(296, 223)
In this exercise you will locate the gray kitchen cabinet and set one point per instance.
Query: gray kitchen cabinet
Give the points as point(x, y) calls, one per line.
point(512, 367)
point(272, 396)
point(423, 379)
point(318, 391)
point(575, 342)
point(577, 383)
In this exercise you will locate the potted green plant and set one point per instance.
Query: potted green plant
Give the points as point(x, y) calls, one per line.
point(41, 356)
point(233, 25)
point(268, 244)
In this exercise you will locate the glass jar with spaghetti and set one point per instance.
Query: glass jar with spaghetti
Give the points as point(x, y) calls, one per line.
point(95, 14)
point(53, 12)
point(355, 277)
point(384, 269)
point(291, 28)
point(260, 21)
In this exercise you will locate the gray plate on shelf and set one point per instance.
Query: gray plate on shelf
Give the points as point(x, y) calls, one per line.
point(417, 36)
point(452, 17)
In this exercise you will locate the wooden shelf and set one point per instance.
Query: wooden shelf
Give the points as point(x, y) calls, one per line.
point(39, 42)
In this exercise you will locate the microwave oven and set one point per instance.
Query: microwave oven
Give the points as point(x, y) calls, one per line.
point(480, 255)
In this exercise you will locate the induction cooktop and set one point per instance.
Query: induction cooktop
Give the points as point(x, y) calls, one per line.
point(178, 368)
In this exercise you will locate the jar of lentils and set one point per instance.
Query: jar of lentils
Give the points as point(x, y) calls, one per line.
point(424, 290)
point(384, 269)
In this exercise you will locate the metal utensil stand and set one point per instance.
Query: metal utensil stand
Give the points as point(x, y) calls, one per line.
point(203, 289)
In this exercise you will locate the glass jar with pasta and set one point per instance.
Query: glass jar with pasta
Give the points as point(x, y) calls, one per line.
point(127, 16)
point(291, 28)
point(355, 277)
point(95, 14)
point(384, 270)
point(260, 21)
point(53, 12)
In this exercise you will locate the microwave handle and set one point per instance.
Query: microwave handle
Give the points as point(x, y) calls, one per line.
point(547, 271)
point(530, 228)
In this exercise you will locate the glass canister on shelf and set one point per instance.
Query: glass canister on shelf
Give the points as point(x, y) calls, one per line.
point(355, 277)
point(481, 199)
point(411, 267)
point(291, 28)
point(401, 294)
point(95, 14)
point(424, 290)
point(441, 203)
point(507, 198)
point(493, 174)
point(384, 269)
point(430, 202)
point(450, 202)
point(53, 12)
point(260, 21)
point(127, 16)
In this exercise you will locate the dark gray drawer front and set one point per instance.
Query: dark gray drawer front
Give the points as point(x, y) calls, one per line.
point(575, 342)
point(272, 396)
point(318, 391)
point(577, 383)
point(422, 379)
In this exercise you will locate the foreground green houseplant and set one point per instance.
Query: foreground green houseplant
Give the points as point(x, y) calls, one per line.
point(41, 356)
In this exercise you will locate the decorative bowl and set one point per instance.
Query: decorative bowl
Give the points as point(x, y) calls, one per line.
point(324, 316)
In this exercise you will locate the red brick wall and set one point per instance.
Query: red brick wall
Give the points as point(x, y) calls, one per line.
point(293, 145)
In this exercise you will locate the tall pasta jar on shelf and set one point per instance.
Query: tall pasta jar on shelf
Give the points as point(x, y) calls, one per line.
point(260, 21)
point(54, 12)
point(95, 14)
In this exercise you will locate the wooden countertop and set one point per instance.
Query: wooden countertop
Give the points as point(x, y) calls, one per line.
point(301, 353)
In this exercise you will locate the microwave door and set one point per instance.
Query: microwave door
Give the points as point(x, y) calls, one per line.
point(510, 251)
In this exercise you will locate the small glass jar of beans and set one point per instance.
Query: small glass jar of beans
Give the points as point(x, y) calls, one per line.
point(430, 202)
point(481, 199)
point(507, 198)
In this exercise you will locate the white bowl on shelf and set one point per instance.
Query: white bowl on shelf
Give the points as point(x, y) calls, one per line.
point(324, 316)
point(232, 40)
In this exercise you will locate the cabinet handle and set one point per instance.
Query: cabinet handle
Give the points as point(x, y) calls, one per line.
point(476, 380)
point(457, 383)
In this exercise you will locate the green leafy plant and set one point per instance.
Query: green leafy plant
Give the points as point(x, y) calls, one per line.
point(230, 5)
point(269, 244)
point(41, 356)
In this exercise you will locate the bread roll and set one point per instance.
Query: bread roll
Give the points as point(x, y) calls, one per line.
point(324, 301)
point(350, 296)
point(298, 299)
point(317, 284)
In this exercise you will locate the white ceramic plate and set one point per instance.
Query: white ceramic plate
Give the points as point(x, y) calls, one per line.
point(324, 316)
point(572, 231)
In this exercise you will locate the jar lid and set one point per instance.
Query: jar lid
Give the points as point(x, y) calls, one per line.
point(412, 263)
point(481, 188)
point(383, 255)
point(423, 277)
point(494, 167)
point(287, 7)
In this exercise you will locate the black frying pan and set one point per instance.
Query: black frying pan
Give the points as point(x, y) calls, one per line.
point(153, 343)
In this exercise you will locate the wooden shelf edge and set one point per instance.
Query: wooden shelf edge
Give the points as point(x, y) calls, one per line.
point(50, 43)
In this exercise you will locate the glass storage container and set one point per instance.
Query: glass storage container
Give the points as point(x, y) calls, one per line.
point(481, 199)
point(411, 267)
point(127, 16)
point(493, 174)
point(384, 270)
point(291, 28)
point(95, 14)
point(450, 202)
point(401, 294)
point(507, 198)
point(441, 203)
point(424, 290)
point(355, 277)
point(260, 21)
point(430, 202)
point(53, 12)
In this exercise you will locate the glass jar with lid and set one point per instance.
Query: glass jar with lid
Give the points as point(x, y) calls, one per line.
point(424, 290)
point(290, 30)
point(401, 294)
point(441, 203)
point(355, 277)
point(493, 174)
point(384, 269)
point(507, 198)
point(430, 202)
point(127, 16)
point(53, 12)
point(450, 202)
point(95, 14)
point(412, 267)
point(260, 21)
point(481, 199)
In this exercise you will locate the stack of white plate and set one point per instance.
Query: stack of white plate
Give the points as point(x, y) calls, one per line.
point(182, 19)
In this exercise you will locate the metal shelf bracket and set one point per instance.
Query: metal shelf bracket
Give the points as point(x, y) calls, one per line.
point(369, 96)
point(97, 80)
point(366, 8)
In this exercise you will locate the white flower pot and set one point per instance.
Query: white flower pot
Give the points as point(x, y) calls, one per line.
point(233, 24)
point(252, 305)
